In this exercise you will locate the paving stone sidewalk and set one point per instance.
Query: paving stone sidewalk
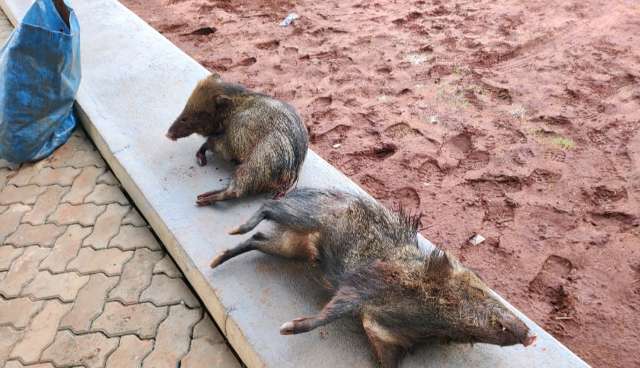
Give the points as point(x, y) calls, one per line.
point(83, 281)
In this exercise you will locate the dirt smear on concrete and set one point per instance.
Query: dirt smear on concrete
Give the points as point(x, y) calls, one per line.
point(516, 120)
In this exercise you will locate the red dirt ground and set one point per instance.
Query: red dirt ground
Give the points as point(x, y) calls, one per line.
point(535, 145)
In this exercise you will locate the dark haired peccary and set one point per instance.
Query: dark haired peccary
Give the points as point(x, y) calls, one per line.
point(263, 134)
point(370, 260)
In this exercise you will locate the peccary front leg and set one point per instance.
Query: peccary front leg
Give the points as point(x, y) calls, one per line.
point(214, 143)
point(237, 188)
point(214, 196)
point(201, 155)
point(387, 347)
point(344, 303)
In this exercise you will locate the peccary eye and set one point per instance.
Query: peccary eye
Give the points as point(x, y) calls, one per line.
point(502, 326)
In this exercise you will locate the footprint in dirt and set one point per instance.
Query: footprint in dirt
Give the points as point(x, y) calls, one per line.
point(172, 28)
point(605, 194)
point(321, 102)
point(554, 273)
point(374, 186)
point(406, 199)
point(499, 211)
point(268, 45)
point(521, 155)
point(368, 158)
point(636, 288)
point(402, 130)
point(247, 61)
point(475, 160)
point(455, 149)
point(543, 177)
point(430, 173)
point(333, 136)
point(551, 284)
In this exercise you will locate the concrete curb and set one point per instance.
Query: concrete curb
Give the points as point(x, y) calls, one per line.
point(134, 83)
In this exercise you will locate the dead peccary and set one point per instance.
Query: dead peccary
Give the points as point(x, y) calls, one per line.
point(264, 135)
point(369, 258)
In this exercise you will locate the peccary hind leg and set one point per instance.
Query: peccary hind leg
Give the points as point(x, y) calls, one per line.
point(282, 243)
point(250, 244)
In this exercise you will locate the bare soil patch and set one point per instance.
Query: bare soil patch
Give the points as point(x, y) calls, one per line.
point(516, 120)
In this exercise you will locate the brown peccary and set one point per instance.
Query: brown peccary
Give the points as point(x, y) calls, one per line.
point(370, 259)
point(264, 135)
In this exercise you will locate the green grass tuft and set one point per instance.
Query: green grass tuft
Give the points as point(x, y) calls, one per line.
point(564, 143)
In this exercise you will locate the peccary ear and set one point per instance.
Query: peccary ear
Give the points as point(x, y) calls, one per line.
point(216, 77)
point(439, 264)
point(223, 101)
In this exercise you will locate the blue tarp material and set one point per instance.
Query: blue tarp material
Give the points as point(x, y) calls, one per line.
point(39, 78)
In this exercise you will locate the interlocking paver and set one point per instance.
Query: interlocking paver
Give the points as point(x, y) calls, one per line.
point(165, 290)
point(106, 194)
point(21, 177)
point(10, 219)
point(133, 218)
point(5, 164)
point(140, 319)
point(83, 185)
point(64, 286)
point(167, 267)
point(208, 348)
point(107, 226)
point(8, 338)
point(26, 195)
point(108, 261)
point(65, 248)
point(89, 303)
point(40, 332)
point(130, 352)
point(79, 142)
point(7, 255)
point(172, 341)
point(4, 175)
point(108, 178)
point(207, 329)
point(62, 303)
point(3, 178)
point(83, 214)
point(45, 205)
point(132, 237)
point(136, 276)
point(18, 312)
point(204, 353)
point(22, 270)
point(44, 235)
point(17, 364)
point(90, 350)
point(49, 176)
point(83, 155)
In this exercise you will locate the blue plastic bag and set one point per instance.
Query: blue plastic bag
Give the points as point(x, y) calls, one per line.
point(39, 78)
